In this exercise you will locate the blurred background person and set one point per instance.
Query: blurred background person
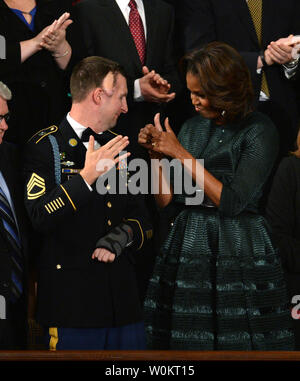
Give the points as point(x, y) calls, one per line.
point(130, 32)
point(13, 240)
point(259, 31)
point(218, 282)
point(36, 55)
point(283, 213)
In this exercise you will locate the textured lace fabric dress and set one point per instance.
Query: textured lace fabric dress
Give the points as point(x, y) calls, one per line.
point(218, 282)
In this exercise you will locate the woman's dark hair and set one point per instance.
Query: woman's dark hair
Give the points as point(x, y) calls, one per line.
point(224, 79)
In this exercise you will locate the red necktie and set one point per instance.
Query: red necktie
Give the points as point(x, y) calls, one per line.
point(137, 30)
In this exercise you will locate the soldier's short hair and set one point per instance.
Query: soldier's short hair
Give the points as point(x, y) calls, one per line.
point(89, 74)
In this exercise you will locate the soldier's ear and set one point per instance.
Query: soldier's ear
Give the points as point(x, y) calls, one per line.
point(97, 94)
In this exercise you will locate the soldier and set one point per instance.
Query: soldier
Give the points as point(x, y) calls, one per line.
point(87, 293)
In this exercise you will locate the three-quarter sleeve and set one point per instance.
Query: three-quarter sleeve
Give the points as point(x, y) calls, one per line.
point(258, 153)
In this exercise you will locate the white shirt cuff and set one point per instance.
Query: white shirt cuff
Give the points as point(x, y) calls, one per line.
point(88, 185)
point(137, 95)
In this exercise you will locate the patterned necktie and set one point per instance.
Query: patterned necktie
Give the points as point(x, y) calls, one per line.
point(100, 138)
point(255, 8)
point(137, 30)
point(13, 237)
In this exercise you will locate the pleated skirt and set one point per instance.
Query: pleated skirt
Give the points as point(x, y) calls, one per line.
point(218, 285)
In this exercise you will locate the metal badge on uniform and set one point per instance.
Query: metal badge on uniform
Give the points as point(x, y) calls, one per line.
point(73, 142)
point(68, 163)
point(70, 170)
point(62, 155)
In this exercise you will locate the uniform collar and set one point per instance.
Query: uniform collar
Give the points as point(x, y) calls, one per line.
point(77, 127)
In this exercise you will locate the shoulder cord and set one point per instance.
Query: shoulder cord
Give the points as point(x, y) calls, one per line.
point(55, 149)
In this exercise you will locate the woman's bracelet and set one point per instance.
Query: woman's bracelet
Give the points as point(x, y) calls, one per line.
point(61, 55)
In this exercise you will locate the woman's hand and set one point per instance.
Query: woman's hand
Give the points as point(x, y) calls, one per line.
point(146, 135)
point(166, 142)
point(38, 39)
point(32, 46)
point(54, 37)
point(146, 139)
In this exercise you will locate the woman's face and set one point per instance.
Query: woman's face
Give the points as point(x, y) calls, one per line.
point(199, 100)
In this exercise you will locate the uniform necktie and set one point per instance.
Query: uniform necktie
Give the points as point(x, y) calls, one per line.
point(137, 30)
point(255, 8)
point(12, 235)
point(100, 138)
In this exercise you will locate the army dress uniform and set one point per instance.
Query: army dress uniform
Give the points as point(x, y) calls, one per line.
point(73, 289)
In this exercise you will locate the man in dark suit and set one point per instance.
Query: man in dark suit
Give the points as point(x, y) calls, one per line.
point(87, 292)
point(104, 29)
point(13, 298)
point(232, 21)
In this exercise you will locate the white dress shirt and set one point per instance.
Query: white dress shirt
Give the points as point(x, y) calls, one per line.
point(78, 129)
point(125, 9)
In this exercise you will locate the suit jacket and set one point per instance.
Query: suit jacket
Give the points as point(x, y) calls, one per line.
point(38, 85)
point(73, 289)
point(103, 31)
point(13, 177)
point(230, 21)
point(9, 166)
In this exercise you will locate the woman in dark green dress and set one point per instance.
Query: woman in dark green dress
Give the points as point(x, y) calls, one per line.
point(218, 282)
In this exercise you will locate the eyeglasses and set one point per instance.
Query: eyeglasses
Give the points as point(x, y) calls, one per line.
point(5, 117)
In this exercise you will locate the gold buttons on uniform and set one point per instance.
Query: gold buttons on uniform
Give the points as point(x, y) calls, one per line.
point(108, 187)
point(58, 267)
point(109, 222)
point(109, 204)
